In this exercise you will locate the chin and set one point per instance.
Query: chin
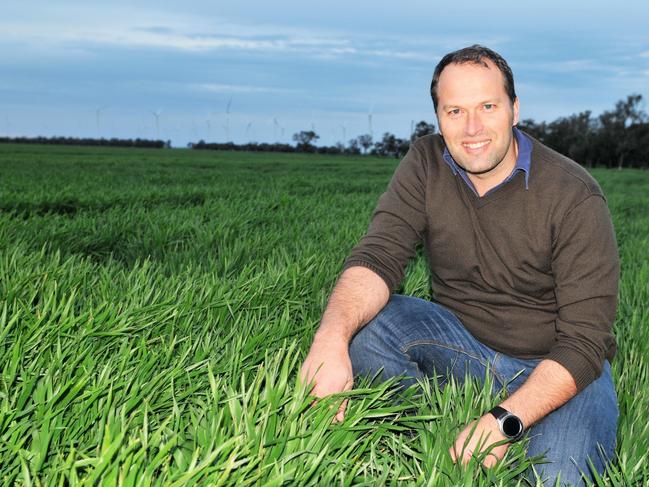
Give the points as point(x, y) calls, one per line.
point(479, 169)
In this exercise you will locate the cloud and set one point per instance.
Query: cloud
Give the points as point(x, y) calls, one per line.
point(164, 37)
point(399, 54)
point(195, 36)
point(577, 67)
point(226, 88)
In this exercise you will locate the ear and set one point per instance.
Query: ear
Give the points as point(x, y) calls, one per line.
point(515, 109)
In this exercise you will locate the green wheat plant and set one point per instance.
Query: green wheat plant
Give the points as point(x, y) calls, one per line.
point(155, 307)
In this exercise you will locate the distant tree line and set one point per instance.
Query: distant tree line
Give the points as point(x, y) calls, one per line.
point(144, 143)
point(389, 145)
point(616, 138)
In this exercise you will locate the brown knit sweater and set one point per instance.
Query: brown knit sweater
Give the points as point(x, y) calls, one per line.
point(531, 273)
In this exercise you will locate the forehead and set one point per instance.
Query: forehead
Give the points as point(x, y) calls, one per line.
point(468, 82)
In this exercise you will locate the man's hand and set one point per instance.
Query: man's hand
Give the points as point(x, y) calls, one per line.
point(548, 387)
point(358, 296)
point(471, 442)
point(328, 365)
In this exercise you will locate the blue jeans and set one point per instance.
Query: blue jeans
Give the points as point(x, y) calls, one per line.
point(415, 338)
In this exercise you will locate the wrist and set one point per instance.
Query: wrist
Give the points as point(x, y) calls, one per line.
point(520, 410)
point(510, 425)
point(330, 338)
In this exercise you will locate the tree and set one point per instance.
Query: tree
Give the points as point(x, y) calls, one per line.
point(365, 141)
point(390, 145)
point(573, 136)
point(304, 140)
point(616, 130)
point(353, 147)
point(421, 129)
point(638, 148)
point(537, 130)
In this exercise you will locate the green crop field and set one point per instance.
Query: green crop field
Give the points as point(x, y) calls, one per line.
point(155, 307)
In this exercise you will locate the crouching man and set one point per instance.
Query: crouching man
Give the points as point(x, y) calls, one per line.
point(524, 273)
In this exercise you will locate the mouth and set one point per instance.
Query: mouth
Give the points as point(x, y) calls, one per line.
point(475, 146)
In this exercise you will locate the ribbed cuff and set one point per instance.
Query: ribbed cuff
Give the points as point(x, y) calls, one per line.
point(581, 369)
point(389, 281)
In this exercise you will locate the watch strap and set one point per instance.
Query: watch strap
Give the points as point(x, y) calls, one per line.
point(499, 412)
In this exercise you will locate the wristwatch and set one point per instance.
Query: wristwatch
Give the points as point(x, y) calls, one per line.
point(509, 424)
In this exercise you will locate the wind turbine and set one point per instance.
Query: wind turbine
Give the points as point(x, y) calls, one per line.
point(157, 114)
point(98, 116)
point(344, 130)
point(248, 127)
point(227, 120)
point(369, 121)
point(208, 122)
point(277, 125)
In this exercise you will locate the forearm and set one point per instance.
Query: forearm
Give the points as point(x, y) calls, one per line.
point(547, 388)
point(357, 297)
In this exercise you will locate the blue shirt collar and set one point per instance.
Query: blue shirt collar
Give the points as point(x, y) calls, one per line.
point(523, 161)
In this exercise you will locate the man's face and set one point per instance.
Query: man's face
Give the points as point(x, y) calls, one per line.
point(476, 117)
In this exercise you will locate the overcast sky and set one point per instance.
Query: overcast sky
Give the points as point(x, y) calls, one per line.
point(263, 70)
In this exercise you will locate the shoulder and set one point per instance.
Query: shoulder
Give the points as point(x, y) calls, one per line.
point(429, 146)
point(565, 191)
point(427, 153)
point(423, 165)
point(557, 173)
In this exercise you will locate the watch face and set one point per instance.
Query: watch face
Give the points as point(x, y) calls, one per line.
point(512, 426)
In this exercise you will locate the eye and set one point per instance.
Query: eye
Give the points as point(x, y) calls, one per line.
point(489, 107)
point(454, 112)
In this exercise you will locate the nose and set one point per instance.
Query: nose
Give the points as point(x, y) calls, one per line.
point(473, 124)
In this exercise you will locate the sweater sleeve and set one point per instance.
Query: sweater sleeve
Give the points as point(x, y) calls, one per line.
point(397, 223)
point(585, 264)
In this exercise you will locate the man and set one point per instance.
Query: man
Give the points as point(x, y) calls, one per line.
point(524, 272)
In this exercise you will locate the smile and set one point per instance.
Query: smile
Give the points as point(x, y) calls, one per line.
point(475, 145)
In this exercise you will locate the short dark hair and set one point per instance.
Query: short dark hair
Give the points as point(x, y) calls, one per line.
point(475, 54)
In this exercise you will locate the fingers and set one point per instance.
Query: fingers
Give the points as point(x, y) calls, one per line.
point(340, 415)
point(476, 440)
point(463, 453)
point(490, 460)
point(325, 382)
point(328, 372)
point(451, 452)
point(329, 382)
point(460, 447)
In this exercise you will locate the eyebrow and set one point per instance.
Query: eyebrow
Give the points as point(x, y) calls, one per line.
point(492, 101)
